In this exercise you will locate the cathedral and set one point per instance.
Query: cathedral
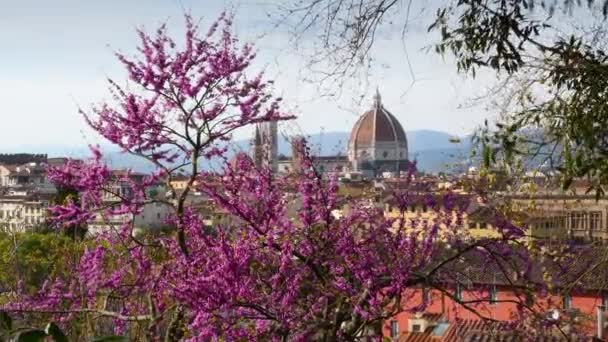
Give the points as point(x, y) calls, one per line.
point(377, 142)
point(377, 146)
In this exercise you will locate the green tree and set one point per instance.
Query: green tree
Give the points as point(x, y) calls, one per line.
point(31, 258)
point(554, 81)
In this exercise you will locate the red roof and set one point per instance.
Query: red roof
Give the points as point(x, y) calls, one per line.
point(125, 173)
point(377, 125)
point(466, 331)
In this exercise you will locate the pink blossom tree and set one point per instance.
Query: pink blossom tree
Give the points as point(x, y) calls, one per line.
point(286, 267)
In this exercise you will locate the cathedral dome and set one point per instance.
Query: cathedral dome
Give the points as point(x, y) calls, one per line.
point(377, 136)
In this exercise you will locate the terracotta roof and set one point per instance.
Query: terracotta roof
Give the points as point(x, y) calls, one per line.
point(475, 269)
point(124, 173)
point(180, 177)
point(58, 161)
point(376, 125)
point(468, 331)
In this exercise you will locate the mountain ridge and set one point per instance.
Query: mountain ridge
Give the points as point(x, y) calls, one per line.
point(433, 150)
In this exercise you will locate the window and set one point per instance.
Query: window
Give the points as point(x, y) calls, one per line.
point(458, 292)
point(472, 225)
point(578, 220)
point(413, 208)
point(394, 329)
point(605, 301)
point(595, 220)
point(493, 295)
point(424, 208)
point(567, 302)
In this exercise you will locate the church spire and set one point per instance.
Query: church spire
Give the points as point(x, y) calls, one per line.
point(377, 99)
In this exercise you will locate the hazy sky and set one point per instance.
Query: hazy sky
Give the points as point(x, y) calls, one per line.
point(56, 55)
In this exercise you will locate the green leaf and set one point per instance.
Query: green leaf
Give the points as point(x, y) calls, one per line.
point(112, 338)
point(30, 335)
point(487, 153)
point(6, 322)
point(54, 331)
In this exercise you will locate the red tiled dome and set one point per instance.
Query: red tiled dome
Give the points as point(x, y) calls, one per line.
point(376, 125)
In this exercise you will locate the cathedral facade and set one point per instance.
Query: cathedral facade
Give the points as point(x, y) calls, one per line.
point(377, 142)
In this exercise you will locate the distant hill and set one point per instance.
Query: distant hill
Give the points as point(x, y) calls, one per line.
point(433, 150)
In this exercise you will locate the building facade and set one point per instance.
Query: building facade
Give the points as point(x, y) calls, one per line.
point(151, 215)
point(25, 192)
point(444, 319)
point(266, 144)
point(565, 217)
point(22, 212)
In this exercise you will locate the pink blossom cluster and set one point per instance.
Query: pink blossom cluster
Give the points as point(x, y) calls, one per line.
point(87, 178)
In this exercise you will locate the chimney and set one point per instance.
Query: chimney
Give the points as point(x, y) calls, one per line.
point(418, 323)
point(600, 322)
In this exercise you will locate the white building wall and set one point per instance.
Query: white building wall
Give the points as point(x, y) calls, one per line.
point(153, 215)
point(21, 215)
